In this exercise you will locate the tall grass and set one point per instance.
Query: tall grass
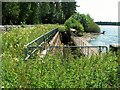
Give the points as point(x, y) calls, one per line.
point(55, 71)
point(13, 42)
point(58, 72)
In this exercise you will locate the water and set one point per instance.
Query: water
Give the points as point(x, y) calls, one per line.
point(110, 36)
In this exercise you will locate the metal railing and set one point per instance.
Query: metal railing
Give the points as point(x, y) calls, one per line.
point(99, 48)
point(86, 48)
point(39, 44)
point(34, 45)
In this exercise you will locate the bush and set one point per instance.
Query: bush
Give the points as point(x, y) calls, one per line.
point(62, 28)
point(58, 72)
point(87, 22)
point(93, 27)
point(72, 23)
point(13, 42)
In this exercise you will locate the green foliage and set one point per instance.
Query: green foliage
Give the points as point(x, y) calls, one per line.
point(25, 9)
point(108, 23)
point(10, 12)
point(87, 22)
point(68, 9)
point(55, 71)
point(58, 72)
point(14, 41)
point(93, 27)
point(37, 12)
point(72, 23)
point(62, 28)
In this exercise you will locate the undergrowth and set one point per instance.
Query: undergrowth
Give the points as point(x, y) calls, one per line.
point(53, 71)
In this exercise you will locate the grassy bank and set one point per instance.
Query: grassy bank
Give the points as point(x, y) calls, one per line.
point(55, 71)
point(13, 42)
point(58, 72)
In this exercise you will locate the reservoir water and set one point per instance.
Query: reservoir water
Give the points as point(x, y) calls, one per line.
point(110, 36)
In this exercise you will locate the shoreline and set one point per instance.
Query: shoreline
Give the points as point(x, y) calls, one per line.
point(88, 36)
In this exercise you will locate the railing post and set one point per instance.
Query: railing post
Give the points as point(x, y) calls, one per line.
point(25, 52)
point(88, 50)
point(106, 48)
point(100, 49)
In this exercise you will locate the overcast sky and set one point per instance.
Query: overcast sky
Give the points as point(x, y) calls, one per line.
point(100, 10)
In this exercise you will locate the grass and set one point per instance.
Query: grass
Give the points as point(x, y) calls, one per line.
point(58, 72)
point(55, 71)
point(13, 42)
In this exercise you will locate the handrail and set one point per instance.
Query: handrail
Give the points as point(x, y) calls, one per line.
point(70, 46)
point(85, 44)
point(87, 48)
point(38, 42)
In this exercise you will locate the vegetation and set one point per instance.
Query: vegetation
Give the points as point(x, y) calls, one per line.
point(55, 71)
point(36, 12)
point(108, 23)
point(72, 23)
point(86, 21)
point(52, 71)
point(93, 27)
point(13, 42)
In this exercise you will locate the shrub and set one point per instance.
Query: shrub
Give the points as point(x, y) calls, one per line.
point(13, 42)
point(62, 28)
point(87, 22)
point(58, 72)
point(93, 27)
point(72, 23)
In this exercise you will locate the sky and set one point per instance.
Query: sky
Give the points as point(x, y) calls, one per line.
point(99, 10)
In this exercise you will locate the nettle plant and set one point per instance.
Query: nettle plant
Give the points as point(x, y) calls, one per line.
point(55, 71)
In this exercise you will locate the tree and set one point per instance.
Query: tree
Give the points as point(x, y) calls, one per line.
point(24, 11)
point(72, 23)
point(10, 11)
point(93, 27)
point(37, 12)
point(68, 8)
point(58, 12)
point(44, 10)
point(86, 21)
point(82, 18)
point(34, 14)
point(52, 13)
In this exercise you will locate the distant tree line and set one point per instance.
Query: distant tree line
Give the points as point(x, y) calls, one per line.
point(36, 12)
point(108, 23)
